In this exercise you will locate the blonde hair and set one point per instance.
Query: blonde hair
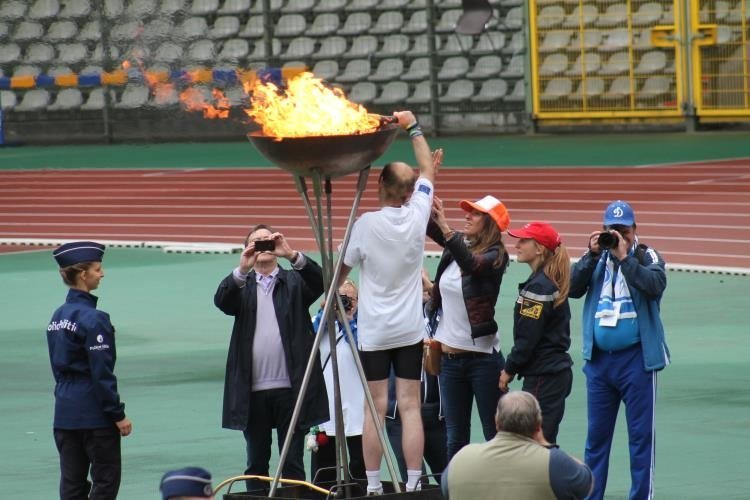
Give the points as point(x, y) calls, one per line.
point(489, 235)
point(557, 269)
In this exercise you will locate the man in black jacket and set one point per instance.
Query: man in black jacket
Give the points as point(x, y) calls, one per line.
point(272, 340)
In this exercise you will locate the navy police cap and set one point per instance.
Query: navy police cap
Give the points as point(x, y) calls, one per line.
point(186, 482)
point(76, 252)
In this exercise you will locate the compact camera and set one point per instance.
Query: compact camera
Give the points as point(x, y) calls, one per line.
point(607, 240)
point(265, 245)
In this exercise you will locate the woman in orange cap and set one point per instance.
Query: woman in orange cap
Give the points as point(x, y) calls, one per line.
point(467, 284)
point(541, 324)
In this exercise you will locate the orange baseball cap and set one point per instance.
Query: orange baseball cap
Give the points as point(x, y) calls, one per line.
point(490, 206)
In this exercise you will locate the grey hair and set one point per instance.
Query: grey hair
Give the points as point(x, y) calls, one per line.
point(518, 412)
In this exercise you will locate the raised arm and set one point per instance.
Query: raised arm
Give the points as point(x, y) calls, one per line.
point(422, 153)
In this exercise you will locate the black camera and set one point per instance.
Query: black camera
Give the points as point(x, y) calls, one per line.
point(346, 301)
point(607, 240)
point(265, 245)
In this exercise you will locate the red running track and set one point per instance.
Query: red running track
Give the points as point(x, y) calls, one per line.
point(696, 213)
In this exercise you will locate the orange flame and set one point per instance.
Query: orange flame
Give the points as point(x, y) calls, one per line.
point(194, 100)
point(306, 108)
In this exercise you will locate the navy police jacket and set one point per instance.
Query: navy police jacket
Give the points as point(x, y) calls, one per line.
point(81, 343)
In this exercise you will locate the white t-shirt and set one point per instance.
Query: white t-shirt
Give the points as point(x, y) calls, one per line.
point(388, 247)
point(454, 329)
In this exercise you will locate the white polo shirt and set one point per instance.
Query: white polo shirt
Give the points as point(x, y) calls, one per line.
point(388, 247)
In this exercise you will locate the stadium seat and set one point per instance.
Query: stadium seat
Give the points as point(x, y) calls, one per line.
point(12, 10)
point(254, 28)
point(363, 92)
point(654, 86)
point(4, 31)
point(90, 32)
point(234, 7)
point(557, 88)
point(594, 87)
point(97, 55)
point(587, 63)
point(517, 44)
point(388, 22)
point(33, 100)
point(201, 51)
point(421, 94)
point(489, 42)
point(518, 94)
point(224, 27)
point(330, 6)
point(392, 4)
point(616, 39)
point(417, 23)
point(642, 38)
point(259, 50)
point(299, 48)
point(26, 70)
point(172, 7)
point(234, 50)
point(362, 46)
point(324, 24)
point(290, 25)
point(555, 41)
point(475, 17)
point(393, 92)
point(168, 52)
point(591, 39)
point(647, 14)
point(616, 64)
point(453, 121)
point(457, 44)
point(113, 8)
point(458, 91)
point(582, 15)
point(485, 67)
point(192, 28)
point(9, 52)
point(387, 70)
point(331, 48)
point(491, 90)
point(326, 69)
point(618, 89)
point(453, 67)
point(419, 69)
point(164, 96)
point(356, 24)
point(553, 64)
point(516, 67)
point(513, 19)
point(27, 31)
point(615, 15)
point(139, 9)
point(75, 9)
point(421, 47)
point(44, 9)
point(447, 22)
point(357, 5)
point(71, 53)
point(39, 53)
point(448, 4)
point(651, 62)
point(67, 99)
point(60, 31)
point(95, 100)
point(204, 7)
point(395, 45)
point(7, 100)
point(257, 7)
point(550, 16)
point(134, 96)
point(355, 70)
point(125, 32)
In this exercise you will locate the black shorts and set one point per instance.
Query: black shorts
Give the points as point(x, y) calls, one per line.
point(406, 362)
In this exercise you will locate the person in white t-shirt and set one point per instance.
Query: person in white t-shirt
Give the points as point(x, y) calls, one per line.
point(388, 247)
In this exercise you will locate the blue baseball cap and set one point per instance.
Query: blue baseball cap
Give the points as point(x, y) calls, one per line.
point(619, 213)
point(76, 252)
point(186, 482)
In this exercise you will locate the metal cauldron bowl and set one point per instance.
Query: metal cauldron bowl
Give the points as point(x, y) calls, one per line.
point(328, 156)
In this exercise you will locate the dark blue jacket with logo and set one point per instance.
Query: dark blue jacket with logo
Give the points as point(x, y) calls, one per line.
point(81, 343)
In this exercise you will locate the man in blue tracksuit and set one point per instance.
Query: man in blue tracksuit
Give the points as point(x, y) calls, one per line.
point(623, 343)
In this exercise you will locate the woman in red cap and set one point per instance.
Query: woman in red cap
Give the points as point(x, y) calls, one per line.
point(467, 284)
point(541, 324)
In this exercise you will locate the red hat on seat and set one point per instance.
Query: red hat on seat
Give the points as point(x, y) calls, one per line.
point(541, 232)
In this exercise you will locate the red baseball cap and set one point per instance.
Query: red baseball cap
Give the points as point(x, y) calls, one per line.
point(492, 207)
point(541, 232)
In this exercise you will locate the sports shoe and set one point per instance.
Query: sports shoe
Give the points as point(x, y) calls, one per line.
point(417, 487)
point(374, 492)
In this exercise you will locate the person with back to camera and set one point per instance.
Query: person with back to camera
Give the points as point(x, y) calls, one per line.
point(89, 416)
point(352, 397)
point(541, 324)
point(272, 340)
point(623, 343)
point(467, 285)
point(189, 483)
point(388, 246)
point(518, 463)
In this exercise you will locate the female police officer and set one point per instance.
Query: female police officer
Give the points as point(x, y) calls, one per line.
point(89, 417)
